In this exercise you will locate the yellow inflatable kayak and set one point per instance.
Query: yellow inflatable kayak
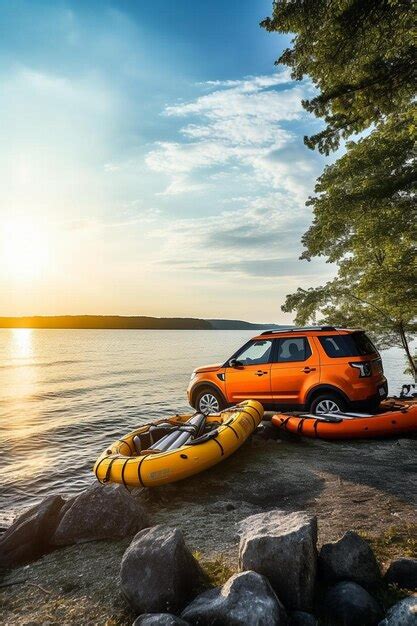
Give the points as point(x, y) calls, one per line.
point(172, 449)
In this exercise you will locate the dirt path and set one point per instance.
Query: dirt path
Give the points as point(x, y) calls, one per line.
point(366, 486)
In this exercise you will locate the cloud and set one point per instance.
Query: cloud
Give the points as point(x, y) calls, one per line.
point(264, 268)
point(241, 125)
point(255, 240)
point(177, 158)
point(242, 130)
point(256, 244)
point(252, 83)
point(270, 106)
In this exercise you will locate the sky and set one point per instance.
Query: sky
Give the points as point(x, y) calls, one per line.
point(152, 161)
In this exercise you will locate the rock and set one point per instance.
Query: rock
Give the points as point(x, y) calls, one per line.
point(100, 512)
point(159, 619)
point(402, 572)
point(158, 572)
point(282, 547)
point(246, 598)
point(350, 558)
point(404, 613)
point(300, 618)
point(29, 537)
point(349, 604)
point(267, 430)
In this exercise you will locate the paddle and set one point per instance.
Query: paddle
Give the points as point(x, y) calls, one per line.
point(198, 422)
point(348, 416)
point(323, 418)
point(180, 435)
point(152, 429)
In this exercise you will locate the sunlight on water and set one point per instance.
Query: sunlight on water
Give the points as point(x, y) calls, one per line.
point(21, 343)
point(66, 394)
point(20, 383)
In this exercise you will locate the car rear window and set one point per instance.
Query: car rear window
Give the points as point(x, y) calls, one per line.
point(356, 344)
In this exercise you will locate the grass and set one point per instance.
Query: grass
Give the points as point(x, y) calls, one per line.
point(396, 541)
point(217, 570)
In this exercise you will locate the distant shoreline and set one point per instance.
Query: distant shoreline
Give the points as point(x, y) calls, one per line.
point(121, 322)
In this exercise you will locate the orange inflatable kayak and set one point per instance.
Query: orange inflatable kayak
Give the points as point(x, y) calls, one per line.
point(395, 420)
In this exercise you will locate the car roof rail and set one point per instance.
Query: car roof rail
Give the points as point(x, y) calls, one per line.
point(297, 329)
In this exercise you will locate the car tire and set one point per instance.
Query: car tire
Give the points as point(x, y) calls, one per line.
point(327, 403)
point(209, 400)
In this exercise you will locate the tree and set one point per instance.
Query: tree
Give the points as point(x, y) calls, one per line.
point(361, 57)
point(360, 54)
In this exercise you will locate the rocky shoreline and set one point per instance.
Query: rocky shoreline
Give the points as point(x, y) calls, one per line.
point(239, 520)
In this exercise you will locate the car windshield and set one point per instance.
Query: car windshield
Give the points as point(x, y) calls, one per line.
point(356, 344)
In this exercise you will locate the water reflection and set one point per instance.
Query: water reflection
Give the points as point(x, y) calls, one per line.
point(23, 459)
point(21, 381)
point(21, 345)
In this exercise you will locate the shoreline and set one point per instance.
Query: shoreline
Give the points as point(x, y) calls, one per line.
point(325, 479)
point(128, 322)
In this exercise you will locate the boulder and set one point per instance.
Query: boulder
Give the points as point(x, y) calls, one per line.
point(158, 572)
point(404, 613)
point(300, 618)
point(267, 430)
point(349, 604)
point(282, 547)
point(246, 598)
point(350, 558)
point(159, 619)
point(402, 572)
point(29, 537)
point(100, 512)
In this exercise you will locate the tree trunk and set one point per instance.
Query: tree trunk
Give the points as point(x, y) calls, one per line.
point(407, 352)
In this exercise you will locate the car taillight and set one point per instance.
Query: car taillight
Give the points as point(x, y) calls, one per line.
point(365, 369)
point(378, 367)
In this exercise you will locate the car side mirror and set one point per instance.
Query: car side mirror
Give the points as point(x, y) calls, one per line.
point(234, 363)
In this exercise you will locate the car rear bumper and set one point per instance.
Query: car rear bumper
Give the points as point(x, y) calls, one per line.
point(372, 401)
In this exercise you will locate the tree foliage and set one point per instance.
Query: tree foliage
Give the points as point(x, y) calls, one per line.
point(360, 55)
point(365, 202)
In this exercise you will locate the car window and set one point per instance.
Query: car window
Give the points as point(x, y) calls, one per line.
point(257, 352)
point(292, 349)
point(356, 344)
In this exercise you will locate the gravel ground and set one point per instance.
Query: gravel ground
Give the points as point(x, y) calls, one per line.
point(367, 486)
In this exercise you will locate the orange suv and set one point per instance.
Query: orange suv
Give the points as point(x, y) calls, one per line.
point(317, 369)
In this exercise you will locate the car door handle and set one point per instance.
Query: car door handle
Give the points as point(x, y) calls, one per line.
point(260, 373)
point(307, 370)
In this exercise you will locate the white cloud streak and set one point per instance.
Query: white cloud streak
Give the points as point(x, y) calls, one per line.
point(255, 241)
point(242, 123)
point(252, 83)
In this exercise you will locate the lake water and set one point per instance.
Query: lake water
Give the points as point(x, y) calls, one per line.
point(66, 394)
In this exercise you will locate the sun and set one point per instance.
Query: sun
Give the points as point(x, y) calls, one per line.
point(24, 248)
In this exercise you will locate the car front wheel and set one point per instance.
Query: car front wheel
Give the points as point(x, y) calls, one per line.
point(209, 401)
point(327, 403)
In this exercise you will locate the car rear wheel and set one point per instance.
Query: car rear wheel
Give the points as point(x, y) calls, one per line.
point(327, 403)
point(208, 401)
